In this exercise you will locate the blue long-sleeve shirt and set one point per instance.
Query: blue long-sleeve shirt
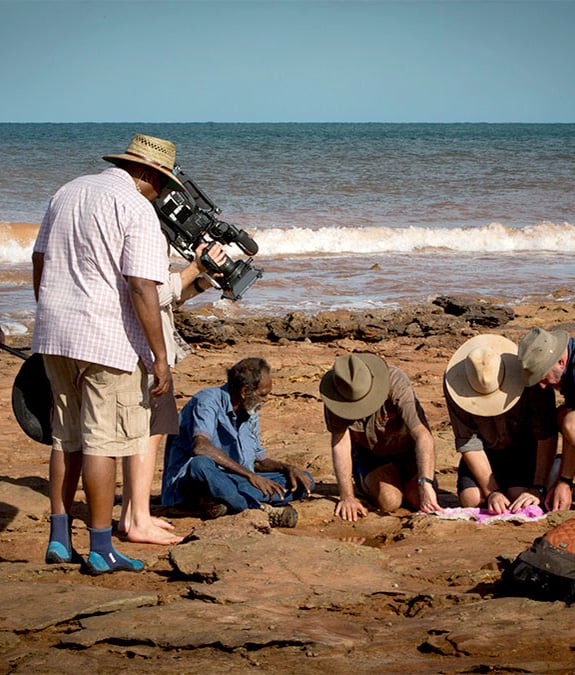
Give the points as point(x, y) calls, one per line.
point(209, 413)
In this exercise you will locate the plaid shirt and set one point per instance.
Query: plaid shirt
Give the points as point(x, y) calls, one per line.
point(97, 230)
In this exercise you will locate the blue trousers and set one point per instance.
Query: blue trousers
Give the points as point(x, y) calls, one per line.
point(236, 492)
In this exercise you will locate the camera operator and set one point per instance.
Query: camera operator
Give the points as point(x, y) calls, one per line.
point(136, 521)
point(97, 260)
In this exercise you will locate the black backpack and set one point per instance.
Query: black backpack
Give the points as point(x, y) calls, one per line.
point(546, 570)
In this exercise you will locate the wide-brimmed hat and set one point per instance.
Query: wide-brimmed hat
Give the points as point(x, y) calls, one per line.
point(484, 376)
point(151, 151)
point(539, 351)
point(356, 386)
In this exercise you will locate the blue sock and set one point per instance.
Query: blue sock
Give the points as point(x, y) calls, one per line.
point(60, 528)
point(103, 556)
point(59, 547)
point(101, 540)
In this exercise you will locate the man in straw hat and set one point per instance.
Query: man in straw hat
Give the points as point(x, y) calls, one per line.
point(380, 438)
point(506, 434)
point(97, 261)
point(548, 359)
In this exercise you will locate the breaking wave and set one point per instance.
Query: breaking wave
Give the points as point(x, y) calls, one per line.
point(18, 239)
point(490, 238)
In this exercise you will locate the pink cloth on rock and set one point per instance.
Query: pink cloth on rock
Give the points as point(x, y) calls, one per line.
point(482, 516)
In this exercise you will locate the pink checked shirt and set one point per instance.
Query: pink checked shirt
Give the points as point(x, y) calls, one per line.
point(97, 229)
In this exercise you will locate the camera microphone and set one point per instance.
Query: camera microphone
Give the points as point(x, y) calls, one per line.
point(246, 243)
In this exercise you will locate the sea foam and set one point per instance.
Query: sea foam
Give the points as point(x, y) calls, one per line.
point(491, 238)
point(18, 241)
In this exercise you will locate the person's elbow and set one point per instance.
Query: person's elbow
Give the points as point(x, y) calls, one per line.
point(139, 285)
point(202, 446)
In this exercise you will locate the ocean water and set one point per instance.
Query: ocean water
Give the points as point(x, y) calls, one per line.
point(345, 215)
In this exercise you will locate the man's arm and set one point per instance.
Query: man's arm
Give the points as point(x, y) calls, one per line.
point(190, 273)
point(425, 459)
point(144, 295)
point(182, 285)
point(561, 495)
point(348, 507)
point(293, 474)
point(546, 451)
point(204, 447)
point(478, 464)
point(37, 269)
point(412, 415)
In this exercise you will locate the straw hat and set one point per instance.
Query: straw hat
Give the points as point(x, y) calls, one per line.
point(539, 351)
point(356, 386)
point(484, 376)
point(154, 152)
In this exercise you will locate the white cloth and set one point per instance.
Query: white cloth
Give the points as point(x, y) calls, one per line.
point(170, 293)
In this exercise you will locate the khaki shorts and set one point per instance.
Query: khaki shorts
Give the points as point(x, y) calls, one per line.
point(98, 410)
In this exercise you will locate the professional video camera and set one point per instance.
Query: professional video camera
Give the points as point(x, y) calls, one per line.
point(188, 220)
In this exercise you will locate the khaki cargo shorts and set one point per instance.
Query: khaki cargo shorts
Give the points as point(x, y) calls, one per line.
point(98, 410)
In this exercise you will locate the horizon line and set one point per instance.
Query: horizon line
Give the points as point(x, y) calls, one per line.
point(274, 122)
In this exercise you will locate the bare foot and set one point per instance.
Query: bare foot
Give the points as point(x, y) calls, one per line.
point(161, 523)
point(152, 534)
point(124, 525)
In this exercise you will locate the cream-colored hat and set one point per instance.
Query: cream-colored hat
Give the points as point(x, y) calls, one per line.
point(484, 376)
point(539, 351)
point(154, 152)
point(356, 386)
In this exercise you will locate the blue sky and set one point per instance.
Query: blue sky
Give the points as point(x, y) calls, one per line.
point(287, 61)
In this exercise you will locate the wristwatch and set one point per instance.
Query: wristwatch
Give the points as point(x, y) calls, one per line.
point(564, 479)
point(541, 489)
point(197, 285)
point(424, 479)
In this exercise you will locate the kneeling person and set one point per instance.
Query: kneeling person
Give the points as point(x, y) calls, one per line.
point(379, 436)
point(217, 461)
point(506, 433)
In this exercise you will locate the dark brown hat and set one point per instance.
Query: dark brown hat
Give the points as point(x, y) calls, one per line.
point(356, 386)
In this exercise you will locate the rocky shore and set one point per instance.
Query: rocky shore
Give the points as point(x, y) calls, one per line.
point(444, 316)
point(392, 593)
